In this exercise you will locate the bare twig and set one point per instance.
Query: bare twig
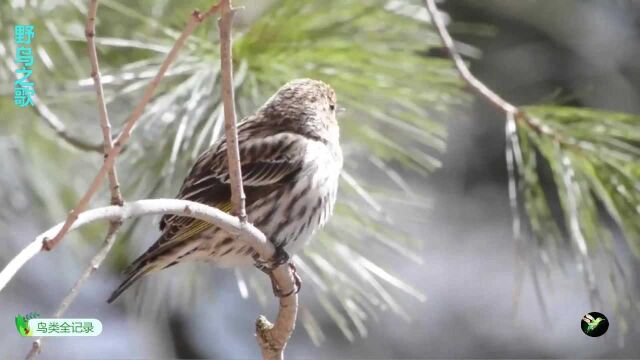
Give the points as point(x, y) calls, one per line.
point(105, 124)
point(272, 338)
point(480, 88)
point(114, 186)
point(233, 154)
point(195, 19)
point(229, 223)
point(95, 263)
point(52, 120)
point(116, 196)
point(473, 82)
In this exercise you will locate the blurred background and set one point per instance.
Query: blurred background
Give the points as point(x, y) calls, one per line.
point(422, 258)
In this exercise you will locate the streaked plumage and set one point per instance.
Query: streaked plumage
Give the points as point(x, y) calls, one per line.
point(291, 162)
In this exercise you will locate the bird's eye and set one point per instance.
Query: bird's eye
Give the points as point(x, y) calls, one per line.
point(332, 107)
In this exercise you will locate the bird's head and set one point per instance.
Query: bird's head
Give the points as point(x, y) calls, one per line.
point(304, 104)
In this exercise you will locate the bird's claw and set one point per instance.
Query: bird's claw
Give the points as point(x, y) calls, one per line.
point(297, 283)
point(280, 257)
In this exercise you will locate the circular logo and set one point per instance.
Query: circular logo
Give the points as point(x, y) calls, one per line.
point(594, 324)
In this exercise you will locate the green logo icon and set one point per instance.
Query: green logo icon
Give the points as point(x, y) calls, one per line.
point(594, 324)
point(22, 323)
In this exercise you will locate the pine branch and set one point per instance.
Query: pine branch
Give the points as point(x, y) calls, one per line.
point(478, 86)
point(592, 156)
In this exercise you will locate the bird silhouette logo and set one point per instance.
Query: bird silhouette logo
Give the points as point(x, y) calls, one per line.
point(594, 324)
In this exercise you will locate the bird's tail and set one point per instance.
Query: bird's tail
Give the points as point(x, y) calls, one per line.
point(132, 275)
point(159, 256)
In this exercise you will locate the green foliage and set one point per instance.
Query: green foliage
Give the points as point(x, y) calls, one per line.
point(594, 157)
point(578, 172)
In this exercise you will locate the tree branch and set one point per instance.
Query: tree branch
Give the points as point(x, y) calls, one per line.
point(513, 113)
point(195, 19)
point(481, 89)
point(462, 68)
point(90, 34)
point(272, 338)
point(94, 264)
point(229, 223)
point(51, 119)
point(114, 185)
point(228, 99)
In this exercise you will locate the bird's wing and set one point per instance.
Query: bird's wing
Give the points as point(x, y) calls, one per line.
point(267, 162)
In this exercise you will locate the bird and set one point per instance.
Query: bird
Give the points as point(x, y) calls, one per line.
point(291, 161)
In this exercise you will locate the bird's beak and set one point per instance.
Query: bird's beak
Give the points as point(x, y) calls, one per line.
point(341, 110)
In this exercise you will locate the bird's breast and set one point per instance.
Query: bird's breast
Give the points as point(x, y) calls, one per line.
point(305, 204)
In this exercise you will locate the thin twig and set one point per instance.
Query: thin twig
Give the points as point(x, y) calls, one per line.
point(480, 88)
point(95, 263)
point(105, 124)
point(233, 154)
point(93, 266)
point(473, 82)
point(51, 119)
point(114, 185)
point(229, 223)
point(195, 19)
point(272, 338)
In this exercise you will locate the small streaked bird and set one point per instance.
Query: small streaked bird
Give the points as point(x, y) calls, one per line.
point(291, 161)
